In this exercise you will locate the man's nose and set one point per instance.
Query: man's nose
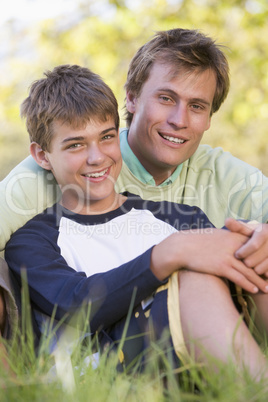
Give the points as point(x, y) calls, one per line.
point(179, 116)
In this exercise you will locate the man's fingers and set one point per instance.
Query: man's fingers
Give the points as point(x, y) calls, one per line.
point(262, 268)
point(239, 227)
point(258, 281)
point(256, 248)
point(258, 260)
point(244, 283)
point(247, 278)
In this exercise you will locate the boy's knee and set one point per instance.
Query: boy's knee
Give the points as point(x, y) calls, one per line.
point(201, 282)
point(195, 277)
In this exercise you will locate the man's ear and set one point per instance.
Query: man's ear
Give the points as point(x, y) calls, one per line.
point(208, 124)
point(40, 156)
point(131, 102)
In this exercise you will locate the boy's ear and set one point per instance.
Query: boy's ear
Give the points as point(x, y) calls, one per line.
point(40, 156)
point(131, 102)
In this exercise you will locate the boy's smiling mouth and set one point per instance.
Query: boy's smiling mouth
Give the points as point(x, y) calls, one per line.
point(97, 174)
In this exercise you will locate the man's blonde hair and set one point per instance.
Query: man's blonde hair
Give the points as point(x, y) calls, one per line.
point(183, 50)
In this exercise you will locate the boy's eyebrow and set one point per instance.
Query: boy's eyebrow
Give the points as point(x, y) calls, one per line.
point(81, 138)
point(107, 130)
point(78, 138)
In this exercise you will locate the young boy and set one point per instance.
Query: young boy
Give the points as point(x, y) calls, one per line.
point(106, 250)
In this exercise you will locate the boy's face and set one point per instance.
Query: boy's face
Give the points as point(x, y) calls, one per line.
point(169, 118)
point(86, 163)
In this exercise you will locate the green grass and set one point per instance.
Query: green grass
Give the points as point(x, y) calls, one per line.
point(63, 378)
point(35, 378)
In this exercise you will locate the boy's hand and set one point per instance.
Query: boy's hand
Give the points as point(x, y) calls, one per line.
point(210, 252)
point(254, 252)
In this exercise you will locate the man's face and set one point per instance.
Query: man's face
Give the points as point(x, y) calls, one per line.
point(169, 118)
point(86, 163)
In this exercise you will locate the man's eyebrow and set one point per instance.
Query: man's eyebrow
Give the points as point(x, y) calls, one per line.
point(167, 90)
point(201, 100)
point(174, 94)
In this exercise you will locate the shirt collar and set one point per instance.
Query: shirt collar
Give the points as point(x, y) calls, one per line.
point(136, 167)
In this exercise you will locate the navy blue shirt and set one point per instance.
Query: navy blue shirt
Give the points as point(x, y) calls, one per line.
point(73, 259)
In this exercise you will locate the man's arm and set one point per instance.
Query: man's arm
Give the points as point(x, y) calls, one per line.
point(26, 191)
point(254, 254)
point(224, 186)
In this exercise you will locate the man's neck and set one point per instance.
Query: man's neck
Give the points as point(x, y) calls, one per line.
point(159, 174)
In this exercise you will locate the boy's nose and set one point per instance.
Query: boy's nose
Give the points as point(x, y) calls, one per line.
point(95, 155)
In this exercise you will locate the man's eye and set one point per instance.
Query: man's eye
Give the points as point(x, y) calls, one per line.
point(197, 107)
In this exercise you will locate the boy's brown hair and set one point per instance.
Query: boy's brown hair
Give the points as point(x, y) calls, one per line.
point(184, 50)
point(71, 94)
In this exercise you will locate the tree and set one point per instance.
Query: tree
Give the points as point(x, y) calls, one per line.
point(104, 35)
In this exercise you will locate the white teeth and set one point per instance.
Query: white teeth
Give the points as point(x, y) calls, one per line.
point(97, 174)
point(173, 139)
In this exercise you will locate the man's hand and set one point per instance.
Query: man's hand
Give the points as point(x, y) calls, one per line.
point(254, 252)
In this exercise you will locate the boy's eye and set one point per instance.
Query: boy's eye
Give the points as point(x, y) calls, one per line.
point(107, 137)
point(165, 98)
point(76, 145)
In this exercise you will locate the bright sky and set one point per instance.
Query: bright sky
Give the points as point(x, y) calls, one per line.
point(34, 10)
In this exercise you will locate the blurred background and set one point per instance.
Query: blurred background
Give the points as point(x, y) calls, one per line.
point(36, 35)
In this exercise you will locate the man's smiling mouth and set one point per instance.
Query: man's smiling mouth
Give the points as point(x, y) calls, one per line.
point(173, 139)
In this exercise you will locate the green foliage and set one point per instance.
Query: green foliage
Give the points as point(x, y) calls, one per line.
point(104, 35)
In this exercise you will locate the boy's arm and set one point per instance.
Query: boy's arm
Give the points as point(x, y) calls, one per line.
point(26, 191)
point(210, 251)
point(53, 283)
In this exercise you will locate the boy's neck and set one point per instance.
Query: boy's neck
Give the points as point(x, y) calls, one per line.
point(95, 208)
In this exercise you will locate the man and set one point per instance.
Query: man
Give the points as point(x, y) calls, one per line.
point(175, 83)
